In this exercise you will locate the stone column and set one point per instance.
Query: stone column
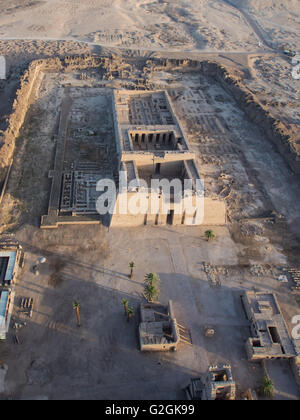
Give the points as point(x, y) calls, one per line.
point(161, 138)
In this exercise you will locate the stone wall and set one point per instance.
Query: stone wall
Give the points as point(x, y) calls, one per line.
point(215, 213)
point(17, 117)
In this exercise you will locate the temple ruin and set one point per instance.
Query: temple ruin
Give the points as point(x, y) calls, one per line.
point(270, 337)
point(216, 384)
point(152, 145)
point(140, 136)
point(85, 153)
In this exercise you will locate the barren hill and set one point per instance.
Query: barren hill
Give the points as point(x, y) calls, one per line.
point(154, 24)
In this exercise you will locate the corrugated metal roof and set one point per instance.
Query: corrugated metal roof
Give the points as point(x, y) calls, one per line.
point(3, 304)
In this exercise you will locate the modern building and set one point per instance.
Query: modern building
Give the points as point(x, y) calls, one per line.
point(6, 304)
point(10, 255)
point(9, 263)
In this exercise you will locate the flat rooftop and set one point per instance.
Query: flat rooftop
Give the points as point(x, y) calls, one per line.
point(271, 338)
point(158, 328)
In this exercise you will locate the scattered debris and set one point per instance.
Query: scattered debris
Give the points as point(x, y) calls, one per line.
point(283, 279)
point(26, 305)
point(17, 326)
point(213, 273)
point(295, 274)
point(209, 332)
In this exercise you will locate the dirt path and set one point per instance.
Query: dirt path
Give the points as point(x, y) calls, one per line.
point(259, 31)
point(132, 48)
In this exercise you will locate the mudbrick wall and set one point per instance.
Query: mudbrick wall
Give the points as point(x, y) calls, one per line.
point(25, 96)
point(17, 117)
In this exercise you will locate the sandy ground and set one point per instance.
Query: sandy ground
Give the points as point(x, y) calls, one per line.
point(56, 360)
point(279, 21)
point(3, 372)
point(101, 360)
point(43, 28)
point(34, 29)
point(274, 85)
point(236, 160)
point(238, 25)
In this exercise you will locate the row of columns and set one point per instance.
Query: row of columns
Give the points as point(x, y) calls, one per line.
point(146, 140)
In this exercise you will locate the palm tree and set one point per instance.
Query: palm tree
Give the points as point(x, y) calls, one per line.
point(125, 303)
point(151, 288)
point(152, 279)
point(151, 292)
point(210, 235)
point(76, 307)
point(131, 266)
point(267, 387)
point(130, 312)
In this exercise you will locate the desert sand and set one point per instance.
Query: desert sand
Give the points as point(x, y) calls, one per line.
point(223, 65)
point(237, 25)
point(252, 33)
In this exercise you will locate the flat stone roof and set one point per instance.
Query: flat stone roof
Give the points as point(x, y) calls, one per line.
point(271, 337)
